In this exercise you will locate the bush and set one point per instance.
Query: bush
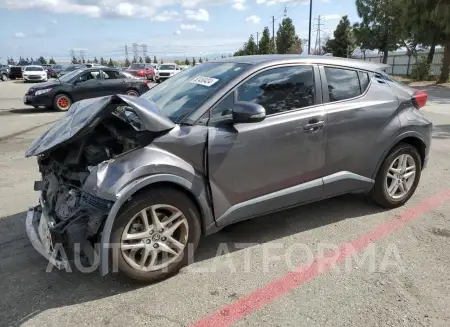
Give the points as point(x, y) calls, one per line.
point(421, 70)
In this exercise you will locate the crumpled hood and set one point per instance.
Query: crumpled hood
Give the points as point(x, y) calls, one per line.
point(84, 115)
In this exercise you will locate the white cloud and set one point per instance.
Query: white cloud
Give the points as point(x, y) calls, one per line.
point(192, 27)
point(239, 5)
point(331, 17)
point(200, 15)
point(110, 8)
point(166, 16)
point(253, 19)
point(19, 35)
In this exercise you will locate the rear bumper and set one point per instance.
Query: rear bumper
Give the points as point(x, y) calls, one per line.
point(32, 227)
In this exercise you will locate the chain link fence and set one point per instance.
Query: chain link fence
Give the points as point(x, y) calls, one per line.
point(402, 64)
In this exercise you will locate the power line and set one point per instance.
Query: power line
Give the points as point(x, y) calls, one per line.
point(144, 50)
point(126, 52)
point(135, 51)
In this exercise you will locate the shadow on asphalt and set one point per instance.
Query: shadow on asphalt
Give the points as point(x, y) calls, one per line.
point(441, 132)
point(28, 290)
point(25, 111)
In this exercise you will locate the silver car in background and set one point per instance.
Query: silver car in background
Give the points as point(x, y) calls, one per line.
point(216, 144)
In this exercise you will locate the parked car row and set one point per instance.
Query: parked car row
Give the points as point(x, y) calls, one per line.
point(79, 84)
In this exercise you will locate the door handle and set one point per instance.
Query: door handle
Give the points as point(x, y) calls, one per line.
point(314, 126)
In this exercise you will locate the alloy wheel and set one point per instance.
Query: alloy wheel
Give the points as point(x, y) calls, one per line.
point(132, 93)
point(154, 238)
point(63, 103)
point(400, 176)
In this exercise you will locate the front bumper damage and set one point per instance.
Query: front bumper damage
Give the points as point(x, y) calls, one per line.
point(35, 220)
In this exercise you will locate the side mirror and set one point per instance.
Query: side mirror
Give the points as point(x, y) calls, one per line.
point(248, 112)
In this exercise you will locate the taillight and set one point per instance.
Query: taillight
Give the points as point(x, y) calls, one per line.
point(420, 99)
point(145, 81)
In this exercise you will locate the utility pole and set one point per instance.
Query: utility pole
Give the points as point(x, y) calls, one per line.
point(273, 29)
point(257, 41)
point(318, 46)
point(310, 18)
point(82, 56)
point(72, 54)
point(126, 52)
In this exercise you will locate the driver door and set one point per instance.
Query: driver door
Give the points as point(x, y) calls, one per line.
point(88, 85)
point(261, 167)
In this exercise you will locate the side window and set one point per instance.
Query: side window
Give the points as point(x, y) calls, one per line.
point(343, 84)
point(111, 74)
point(224, 109)
point(364, 80)
point(280, 89)
point(92, 75)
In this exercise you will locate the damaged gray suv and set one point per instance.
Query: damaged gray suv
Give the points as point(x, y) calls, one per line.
point(216, 144)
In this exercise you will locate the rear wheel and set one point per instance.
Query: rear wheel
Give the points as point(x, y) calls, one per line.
point(155, 233)
point(62, 102)
point(398, 177)
point(4, 77)
point(132, 92)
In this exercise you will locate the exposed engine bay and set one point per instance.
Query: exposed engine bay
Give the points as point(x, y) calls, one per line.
point(78, 215)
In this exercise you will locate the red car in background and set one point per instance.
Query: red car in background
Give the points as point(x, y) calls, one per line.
point(143, 71)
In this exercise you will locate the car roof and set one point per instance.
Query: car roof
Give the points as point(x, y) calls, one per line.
point(34, 66)
point(288, 59)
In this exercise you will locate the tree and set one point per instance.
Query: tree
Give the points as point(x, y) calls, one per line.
point(343, 43)
point(251, 47)
point(95, 60)
point(266, 45)
point(110, 63)
point(187, 62)
point(52, 61)
point(287, 41)
point(102, 61)
point(148, 60)
point(89, 61)
point(193, 61)
point(127, 62)
point(42, 60)
point(200, 60)
point(154, 60)
point(74, 60)
point(380, 27)
point(162, 61)
point(141, 60)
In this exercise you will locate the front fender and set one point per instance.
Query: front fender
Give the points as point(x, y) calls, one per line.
point(207, 216)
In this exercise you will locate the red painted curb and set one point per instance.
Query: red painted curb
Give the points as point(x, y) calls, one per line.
point(246, 305)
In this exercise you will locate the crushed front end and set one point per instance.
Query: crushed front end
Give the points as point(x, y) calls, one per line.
point(67, 222)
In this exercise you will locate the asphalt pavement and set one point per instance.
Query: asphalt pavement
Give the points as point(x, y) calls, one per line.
point(255, 273)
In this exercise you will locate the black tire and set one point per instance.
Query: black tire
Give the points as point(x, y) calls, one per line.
point(36, 107)
point(160, 195)
point(4, 77)
point(57, 102)
point(132, 92)
point(379, 193)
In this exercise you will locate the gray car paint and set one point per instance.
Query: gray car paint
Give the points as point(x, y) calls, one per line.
point(240, 171)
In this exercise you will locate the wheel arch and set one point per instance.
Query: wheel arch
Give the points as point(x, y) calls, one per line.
point(412, 138)
point(143, 185)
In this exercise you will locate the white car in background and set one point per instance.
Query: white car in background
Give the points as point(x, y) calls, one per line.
point(166, 71)
point(34, 73)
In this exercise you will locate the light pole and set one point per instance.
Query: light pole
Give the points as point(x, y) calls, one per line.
point(310, 18)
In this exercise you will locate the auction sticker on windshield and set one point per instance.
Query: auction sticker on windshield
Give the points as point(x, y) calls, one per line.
point(206, 81)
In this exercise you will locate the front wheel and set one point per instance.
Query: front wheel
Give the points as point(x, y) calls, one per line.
point(156, 232)
point(62, 102)
point(398, 177)
point(4, 77)
point(132, 93)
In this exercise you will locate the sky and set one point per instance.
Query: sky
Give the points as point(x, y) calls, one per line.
point(169, 28)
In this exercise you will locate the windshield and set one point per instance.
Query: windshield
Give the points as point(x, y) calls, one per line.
point(186, 91)
point(71, 68)
point(137, 66)
point(34, 69)
point(167, 67)
point(67, 77)
point(57, 67)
